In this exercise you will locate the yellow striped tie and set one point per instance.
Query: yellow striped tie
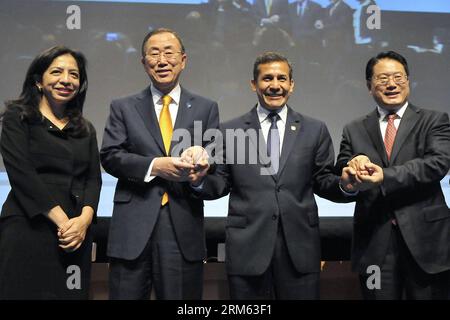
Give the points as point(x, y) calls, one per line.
point(165, 125)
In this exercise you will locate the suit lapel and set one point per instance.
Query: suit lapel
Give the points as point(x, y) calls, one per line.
point(372, 126)
point(252, 122)
point(183, 119)
point(290, 134)
point(407, 123)
point(185, 113)
point(146, 109)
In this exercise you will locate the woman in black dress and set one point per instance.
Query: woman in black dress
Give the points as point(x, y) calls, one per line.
point(51, 157)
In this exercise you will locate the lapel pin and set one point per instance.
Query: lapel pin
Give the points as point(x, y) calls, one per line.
point(293, 128)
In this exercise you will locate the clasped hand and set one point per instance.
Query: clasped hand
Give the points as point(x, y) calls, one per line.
point(72, 234)
point(191, 166)
point(198, 157)
point(361, 174)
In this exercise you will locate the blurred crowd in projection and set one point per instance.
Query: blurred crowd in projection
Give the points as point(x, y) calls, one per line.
point(329, 44)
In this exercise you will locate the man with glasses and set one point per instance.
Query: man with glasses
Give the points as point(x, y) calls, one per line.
point(401, 242)
point(156, 234)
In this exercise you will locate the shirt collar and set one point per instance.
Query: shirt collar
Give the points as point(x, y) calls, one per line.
point(174, 94)
point(383, 112)
point(263, 113)
point(336, 4)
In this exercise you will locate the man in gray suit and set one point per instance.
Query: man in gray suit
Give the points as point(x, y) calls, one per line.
point(272, 232)
point(401, 227)
point(156, 234)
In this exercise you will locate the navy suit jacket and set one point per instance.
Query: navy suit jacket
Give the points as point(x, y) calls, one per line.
point(279, 7)
point(411, 191)
point(303, 26)
point(131, 141)
point(257, 202)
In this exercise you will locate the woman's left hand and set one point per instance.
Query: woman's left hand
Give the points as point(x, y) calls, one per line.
point(73, 232)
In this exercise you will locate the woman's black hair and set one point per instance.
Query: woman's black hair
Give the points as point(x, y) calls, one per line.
point(29, 99)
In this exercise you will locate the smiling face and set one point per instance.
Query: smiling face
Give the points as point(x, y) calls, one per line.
point(164, 61)
point(273, 85)
point(393, 94)
point(61, 81)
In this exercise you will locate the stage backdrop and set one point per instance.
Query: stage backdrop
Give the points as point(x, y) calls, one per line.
point(222, 39)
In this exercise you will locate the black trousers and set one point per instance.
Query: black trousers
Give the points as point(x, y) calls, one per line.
point(280, 281)
point(401, 276)
point(161, 265)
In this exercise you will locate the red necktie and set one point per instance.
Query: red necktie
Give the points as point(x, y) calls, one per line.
point(389, 136)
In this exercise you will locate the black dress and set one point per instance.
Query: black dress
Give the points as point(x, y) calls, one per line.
point(46, 167)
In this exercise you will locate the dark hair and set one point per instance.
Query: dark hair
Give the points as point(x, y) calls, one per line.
point(158, 31)
point(385, 55)
point(268, 57)
point(29, 99)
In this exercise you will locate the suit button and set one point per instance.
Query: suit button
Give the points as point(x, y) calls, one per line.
point(274, 217)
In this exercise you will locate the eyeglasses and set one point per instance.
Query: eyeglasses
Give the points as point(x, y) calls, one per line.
point(156, 55)
point(399, 78)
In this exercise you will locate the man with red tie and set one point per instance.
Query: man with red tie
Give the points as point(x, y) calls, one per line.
point(401, 237)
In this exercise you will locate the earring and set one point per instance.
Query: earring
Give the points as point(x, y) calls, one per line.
point(39, 89)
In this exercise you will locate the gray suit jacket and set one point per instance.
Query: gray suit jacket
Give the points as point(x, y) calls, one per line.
point(411, 191)
point(258, 202)
point(132, 139)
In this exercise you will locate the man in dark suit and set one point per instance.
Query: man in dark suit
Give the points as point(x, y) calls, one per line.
point(273, 23)
point(306, 29)
point(338, 40)
point(306, 22)
point(275, 162)
point(338, 19)
point(156, 235)
point(401, 227)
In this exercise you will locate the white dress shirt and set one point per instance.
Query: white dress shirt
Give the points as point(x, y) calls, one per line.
point(173, 109)
point(383, 120)
point(266, 123)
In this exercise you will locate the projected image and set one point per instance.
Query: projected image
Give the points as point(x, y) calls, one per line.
point(328, 42)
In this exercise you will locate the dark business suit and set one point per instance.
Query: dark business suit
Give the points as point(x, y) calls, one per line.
point(279, 7)
point(275, 33)
point(46, 167)
point(338, 27)
point(307, 36)
point(132, 140)
point(410, 193)
point(303, 27)
point(273, 219)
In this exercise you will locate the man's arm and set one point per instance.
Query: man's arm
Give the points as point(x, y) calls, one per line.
point(346, 152)
point(432, 167)
point(325, 182)
point(115, 156)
